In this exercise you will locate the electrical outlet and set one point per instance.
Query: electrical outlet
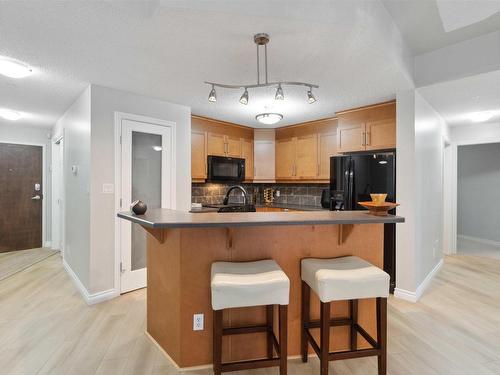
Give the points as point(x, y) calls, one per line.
point(277, 193)
point(198, 320)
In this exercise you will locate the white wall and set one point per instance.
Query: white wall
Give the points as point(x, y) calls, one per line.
point(105, 102)
point(419, 190)
point(76, 125)
point(464, 59)
point(39, 136)
point(430, 130)
point(478, 213)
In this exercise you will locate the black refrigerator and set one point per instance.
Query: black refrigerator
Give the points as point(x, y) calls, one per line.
point(353, 178)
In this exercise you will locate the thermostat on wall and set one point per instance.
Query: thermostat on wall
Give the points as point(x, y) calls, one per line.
point(74, 169)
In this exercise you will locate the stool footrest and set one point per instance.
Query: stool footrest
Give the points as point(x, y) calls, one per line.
point(243, 330)
point(336, 356)
point(336, 322)
point(245, 365)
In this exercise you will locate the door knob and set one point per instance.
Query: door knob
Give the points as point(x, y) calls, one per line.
point(36, 198)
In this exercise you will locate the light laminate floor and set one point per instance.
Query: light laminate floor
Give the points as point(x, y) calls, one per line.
point(46, 328)
point(15, 261)
point(468, 247)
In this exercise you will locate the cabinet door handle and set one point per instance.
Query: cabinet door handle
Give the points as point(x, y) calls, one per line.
point(368, 138)
point(363, 139)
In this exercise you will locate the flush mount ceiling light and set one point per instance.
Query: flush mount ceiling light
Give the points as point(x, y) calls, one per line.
point(481, 116)
point(157, 148)
point(9, 114)
point(269, 118)
point(261, 40)
point(13, 68)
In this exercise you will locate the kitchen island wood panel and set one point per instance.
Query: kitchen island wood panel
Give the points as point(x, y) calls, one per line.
point(182, 246)
point(179, 283)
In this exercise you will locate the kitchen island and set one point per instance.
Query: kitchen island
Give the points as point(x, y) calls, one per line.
point(182, 246)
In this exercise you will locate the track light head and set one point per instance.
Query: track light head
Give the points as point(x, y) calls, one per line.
point(279, 93)
point(244, 97)
point(310, 97)
point(212, 97)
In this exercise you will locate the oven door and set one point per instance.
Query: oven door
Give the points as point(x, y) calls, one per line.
point(222, 169)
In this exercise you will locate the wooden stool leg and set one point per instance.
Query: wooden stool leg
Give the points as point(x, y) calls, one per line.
point(305, 318)
point(382, 334)
point(353, 308)
point(270, 328)
point(324, 336)
point(283, 344)
point(217, 344)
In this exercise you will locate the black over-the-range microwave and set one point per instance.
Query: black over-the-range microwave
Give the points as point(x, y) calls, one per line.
point(225, 169)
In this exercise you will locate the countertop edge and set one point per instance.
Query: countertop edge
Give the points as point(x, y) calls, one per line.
point(373, 220)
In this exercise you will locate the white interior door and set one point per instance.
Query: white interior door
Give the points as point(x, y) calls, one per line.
point(146, 170)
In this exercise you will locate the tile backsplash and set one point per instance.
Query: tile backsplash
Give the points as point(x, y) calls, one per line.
point(301, 194)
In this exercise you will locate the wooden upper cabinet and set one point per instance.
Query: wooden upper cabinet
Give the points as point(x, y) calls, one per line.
point(367, 128)
point(327, 149)
point(199, 155)
point(247, 154)
point(216, 144)
point(306, 157)
point(351, 137)
point(233, 147)
point(381, 134)
point(285, 158)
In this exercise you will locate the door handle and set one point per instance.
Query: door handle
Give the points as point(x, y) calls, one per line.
point(36, 198)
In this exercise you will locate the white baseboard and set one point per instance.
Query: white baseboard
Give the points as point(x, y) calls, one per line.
point(479, 240)
point(415, 296)
point(90, 299)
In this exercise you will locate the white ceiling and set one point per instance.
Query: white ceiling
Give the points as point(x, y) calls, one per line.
point(456, 100)
point(423, 28)
point(166, 49)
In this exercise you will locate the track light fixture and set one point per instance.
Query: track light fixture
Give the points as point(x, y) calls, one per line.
point(244, 97)
point(212, 97)
point(261, 40)
point(279, 93)
point(310, 97)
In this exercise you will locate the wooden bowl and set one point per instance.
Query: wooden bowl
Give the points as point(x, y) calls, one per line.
point(378, 209)
point(378, 198)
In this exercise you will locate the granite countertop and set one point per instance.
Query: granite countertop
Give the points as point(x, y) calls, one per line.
point(165, 218)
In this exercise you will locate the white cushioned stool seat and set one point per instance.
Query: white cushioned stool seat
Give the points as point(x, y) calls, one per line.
point(344, 278)
point(245, 284)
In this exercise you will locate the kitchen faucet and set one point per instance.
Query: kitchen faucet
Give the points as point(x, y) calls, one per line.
point(245, 194)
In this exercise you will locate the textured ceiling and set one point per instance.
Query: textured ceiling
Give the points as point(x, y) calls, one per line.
point(422, 27)
point(166, 49)
point(456, 100)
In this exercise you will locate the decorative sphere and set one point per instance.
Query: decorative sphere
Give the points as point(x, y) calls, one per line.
point(139, 207)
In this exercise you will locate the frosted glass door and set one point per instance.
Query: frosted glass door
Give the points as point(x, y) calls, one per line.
point(146, 167)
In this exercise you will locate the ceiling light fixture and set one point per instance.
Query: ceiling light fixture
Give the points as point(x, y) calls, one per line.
point(481, 116)
point(244, 97)
point(310, 97)
point(261, 40)
point(157, 148)
point(269, 118)
point(212, 97)
point(9, 114)
point(279, 93)
point(13, 68)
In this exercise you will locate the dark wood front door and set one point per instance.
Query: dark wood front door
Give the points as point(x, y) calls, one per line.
point(20, 210)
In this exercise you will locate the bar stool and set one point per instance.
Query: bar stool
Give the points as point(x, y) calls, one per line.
point(245, 284)
point(338, 279)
